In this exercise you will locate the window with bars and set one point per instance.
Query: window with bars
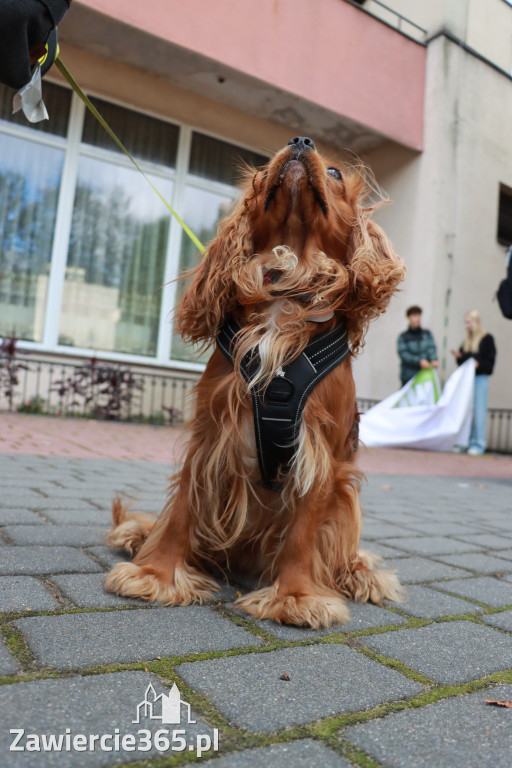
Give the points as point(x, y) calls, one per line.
point(88, 252)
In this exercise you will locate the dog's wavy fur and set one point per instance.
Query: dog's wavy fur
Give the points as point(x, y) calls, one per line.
point(299, 246)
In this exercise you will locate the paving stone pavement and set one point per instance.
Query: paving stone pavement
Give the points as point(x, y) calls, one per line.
point(399, 686)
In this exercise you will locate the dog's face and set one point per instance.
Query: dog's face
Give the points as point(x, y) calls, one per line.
point(301, 230)
point(303, 202)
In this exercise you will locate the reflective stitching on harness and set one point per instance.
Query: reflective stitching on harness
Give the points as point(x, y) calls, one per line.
point(321, 337)
point(326, 357)
point(312, 384)
point(324, 349)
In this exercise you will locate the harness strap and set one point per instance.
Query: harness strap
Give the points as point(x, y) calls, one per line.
point(278, 410)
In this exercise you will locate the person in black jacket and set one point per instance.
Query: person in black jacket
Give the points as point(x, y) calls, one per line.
point(480, 346)
point(24, 27)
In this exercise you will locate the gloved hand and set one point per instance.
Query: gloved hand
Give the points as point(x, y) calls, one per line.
point(24, 25)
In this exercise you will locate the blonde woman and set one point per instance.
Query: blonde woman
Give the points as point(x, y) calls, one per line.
point(479, 345)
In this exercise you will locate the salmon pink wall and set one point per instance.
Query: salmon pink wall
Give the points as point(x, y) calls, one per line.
point(325, 51)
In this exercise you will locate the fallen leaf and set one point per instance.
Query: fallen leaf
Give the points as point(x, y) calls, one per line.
point(481, 485)
point(386, 487)
point(500, 703)
point(284, 676)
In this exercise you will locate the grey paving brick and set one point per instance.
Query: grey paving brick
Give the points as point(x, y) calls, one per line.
point(397, 516)
point(502, 524)
point(86, 591)
point(479, 562)
point(22, 499)
point(71, 641)
point(323, 680)
point(488, 540)
point(55, 503)
point(95, 704)
point(413, 570)
point(494, 592)
point(451, 652)
point(446, 528)
point(109, 557)
point(504, 554)
point(502, 620)
point(381, 549)
point(71, 535)
point(305, 753)
point(463, 731)
point(8, 664)
point(152, 507)
point(12, 481)
point(11, 516)
point(377, 529)
point(426, 603)
point(362, 617)
point(86, 489)
point(24, 593)
point(87, 516)
point(432, 545)
point(34, 559)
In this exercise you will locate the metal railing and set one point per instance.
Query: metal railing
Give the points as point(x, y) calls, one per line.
point(392, 18)
point(98, 389)
point(499, 430)
point(94, 389)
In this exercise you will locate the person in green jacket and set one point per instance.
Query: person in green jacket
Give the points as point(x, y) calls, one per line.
point(416, 347)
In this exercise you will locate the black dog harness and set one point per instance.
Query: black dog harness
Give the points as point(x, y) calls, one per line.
point(278, 409)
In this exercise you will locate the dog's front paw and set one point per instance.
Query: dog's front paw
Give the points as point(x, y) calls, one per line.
point(186, 586)
point(366, 581)
point(314, 611)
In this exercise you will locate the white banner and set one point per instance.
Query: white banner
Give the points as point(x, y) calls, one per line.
point(432, 426)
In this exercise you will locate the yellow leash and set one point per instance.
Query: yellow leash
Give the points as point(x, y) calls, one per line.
point(90, 106)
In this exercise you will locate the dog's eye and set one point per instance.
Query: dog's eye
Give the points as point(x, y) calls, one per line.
point(335, 173)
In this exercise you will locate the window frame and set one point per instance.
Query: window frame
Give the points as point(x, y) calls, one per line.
point(74, 148)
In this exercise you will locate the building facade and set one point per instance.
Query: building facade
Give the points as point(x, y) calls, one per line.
point(420, 90)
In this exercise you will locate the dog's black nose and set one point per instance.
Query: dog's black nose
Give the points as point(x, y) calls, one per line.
point(302, 143)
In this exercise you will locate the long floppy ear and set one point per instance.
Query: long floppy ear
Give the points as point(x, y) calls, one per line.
point(211, 295)
point(375, 270)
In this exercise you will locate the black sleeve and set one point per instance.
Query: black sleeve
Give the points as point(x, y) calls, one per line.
point(486, 355)
point(23, 25)
point(463, 356)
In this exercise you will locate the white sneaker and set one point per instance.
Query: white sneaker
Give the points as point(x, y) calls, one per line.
point(458, 449)
point(475, 452)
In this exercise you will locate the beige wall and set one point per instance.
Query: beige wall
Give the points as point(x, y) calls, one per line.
point(444, 217)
